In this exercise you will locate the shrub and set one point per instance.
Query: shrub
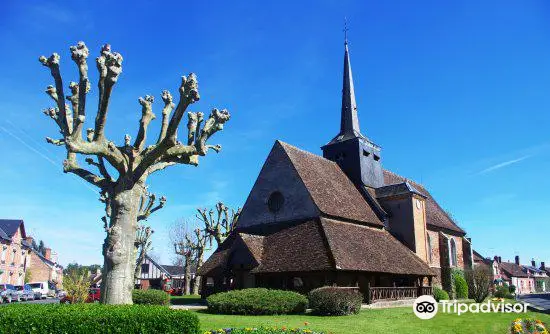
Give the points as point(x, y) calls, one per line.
point(440, 294)
point(150, 297)
point(461, 287)
point(512, 288)
point(502, 291)
point(479, 282)
point(257, 301)
point(77, 285)
point(335, 301)
point(95, 318)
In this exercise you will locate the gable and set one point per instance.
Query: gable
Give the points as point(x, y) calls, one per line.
point(332, 191)
point(10, 227)
point(277, 174)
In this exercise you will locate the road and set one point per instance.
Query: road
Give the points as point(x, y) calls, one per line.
point(38, 301)
point(540, 302)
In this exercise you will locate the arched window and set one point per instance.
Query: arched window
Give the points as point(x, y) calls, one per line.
point(429, 241)
point(452, 251)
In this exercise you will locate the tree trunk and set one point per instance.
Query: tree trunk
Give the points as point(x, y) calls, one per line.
point(118, 248)
point(197, 284)
point(187, 276)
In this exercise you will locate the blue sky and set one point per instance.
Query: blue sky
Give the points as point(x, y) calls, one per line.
point(457, 94)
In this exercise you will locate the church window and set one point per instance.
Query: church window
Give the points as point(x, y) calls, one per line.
point(452, 251)
point(418, 204)
point(275, 201)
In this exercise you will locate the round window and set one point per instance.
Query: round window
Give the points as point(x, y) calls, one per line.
point(275, 201)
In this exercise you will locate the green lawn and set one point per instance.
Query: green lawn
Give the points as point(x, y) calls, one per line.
point(186, 300)
point(395, 320)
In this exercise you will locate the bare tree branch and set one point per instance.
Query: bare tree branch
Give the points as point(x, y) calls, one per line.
point(70, 165)
point(146, 117)
point(109, 65)
point(146, 210)
point(79, 53)
point(168, 106)
point(56, 93)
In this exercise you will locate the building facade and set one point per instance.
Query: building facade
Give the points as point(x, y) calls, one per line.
point(338, 219)
point(14, 253)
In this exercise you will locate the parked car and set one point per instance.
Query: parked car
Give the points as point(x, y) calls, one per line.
point(61, 293)
point(25, 292)
point(93, 296)
point(8, 293)
point(41, 288)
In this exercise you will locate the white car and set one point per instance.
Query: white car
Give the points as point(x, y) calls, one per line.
point(41, 289)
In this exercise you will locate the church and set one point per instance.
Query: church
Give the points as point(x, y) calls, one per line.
point(339, 219)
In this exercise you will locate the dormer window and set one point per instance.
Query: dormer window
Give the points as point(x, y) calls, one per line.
point(275, 201)
point(365, 153)
point(376, 158)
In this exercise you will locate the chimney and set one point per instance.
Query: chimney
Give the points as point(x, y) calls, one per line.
point(517, 260)
point(499, 259)
point(496, 259)
point(47, 253)
point(29, 240)
point(533, 263)
point(542, 266)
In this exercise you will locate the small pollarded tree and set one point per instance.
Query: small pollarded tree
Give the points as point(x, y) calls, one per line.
point(220, 225)
point(199, 247)
point(142, 247)
point(133, 162)
point(184, 248)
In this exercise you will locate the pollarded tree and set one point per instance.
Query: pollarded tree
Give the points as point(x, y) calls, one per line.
point(142, 247)
point(133, 162)
point(184, 247)
point(199, 247)
point(220, 225)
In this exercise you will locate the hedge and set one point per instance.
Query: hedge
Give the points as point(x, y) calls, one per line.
point(95, 318)
point(150, 297)
point(440, 294)
point(335, 301)
point(257, 301)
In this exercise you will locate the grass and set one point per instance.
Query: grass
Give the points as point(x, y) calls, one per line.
point(394, 320)
point(186, 300)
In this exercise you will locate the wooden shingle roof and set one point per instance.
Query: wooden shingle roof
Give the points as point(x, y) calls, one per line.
point(331, 190)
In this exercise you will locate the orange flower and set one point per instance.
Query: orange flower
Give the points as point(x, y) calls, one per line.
point(306, 323)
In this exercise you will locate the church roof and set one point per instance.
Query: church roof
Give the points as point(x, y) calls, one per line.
point(435, 215)
point(331, 245)
point(331, 190)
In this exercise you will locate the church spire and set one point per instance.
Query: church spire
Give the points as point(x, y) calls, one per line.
point(349, 123)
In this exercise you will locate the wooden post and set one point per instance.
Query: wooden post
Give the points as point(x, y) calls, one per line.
point(368, 293)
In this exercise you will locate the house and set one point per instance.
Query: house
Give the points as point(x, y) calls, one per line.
point(163, 277)
point(539, 275)
point(14, 253)
point(338, 219)
point(44, 267)
point(513, 273)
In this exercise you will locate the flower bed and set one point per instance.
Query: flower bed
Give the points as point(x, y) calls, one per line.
point(262, 330)
point(525, 326)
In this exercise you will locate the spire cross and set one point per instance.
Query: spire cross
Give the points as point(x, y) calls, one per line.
point(345, 30)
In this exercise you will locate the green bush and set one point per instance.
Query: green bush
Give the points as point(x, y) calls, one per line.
point(95, 318)
point(461, 287)
point(440, 294)
point(503, 291)
point(512, 288)
point(335, 301)
point(150, 297)
point(257, 301)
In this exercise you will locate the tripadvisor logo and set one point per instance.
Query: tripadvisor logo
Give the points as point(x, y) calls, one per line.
point(426, 307)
